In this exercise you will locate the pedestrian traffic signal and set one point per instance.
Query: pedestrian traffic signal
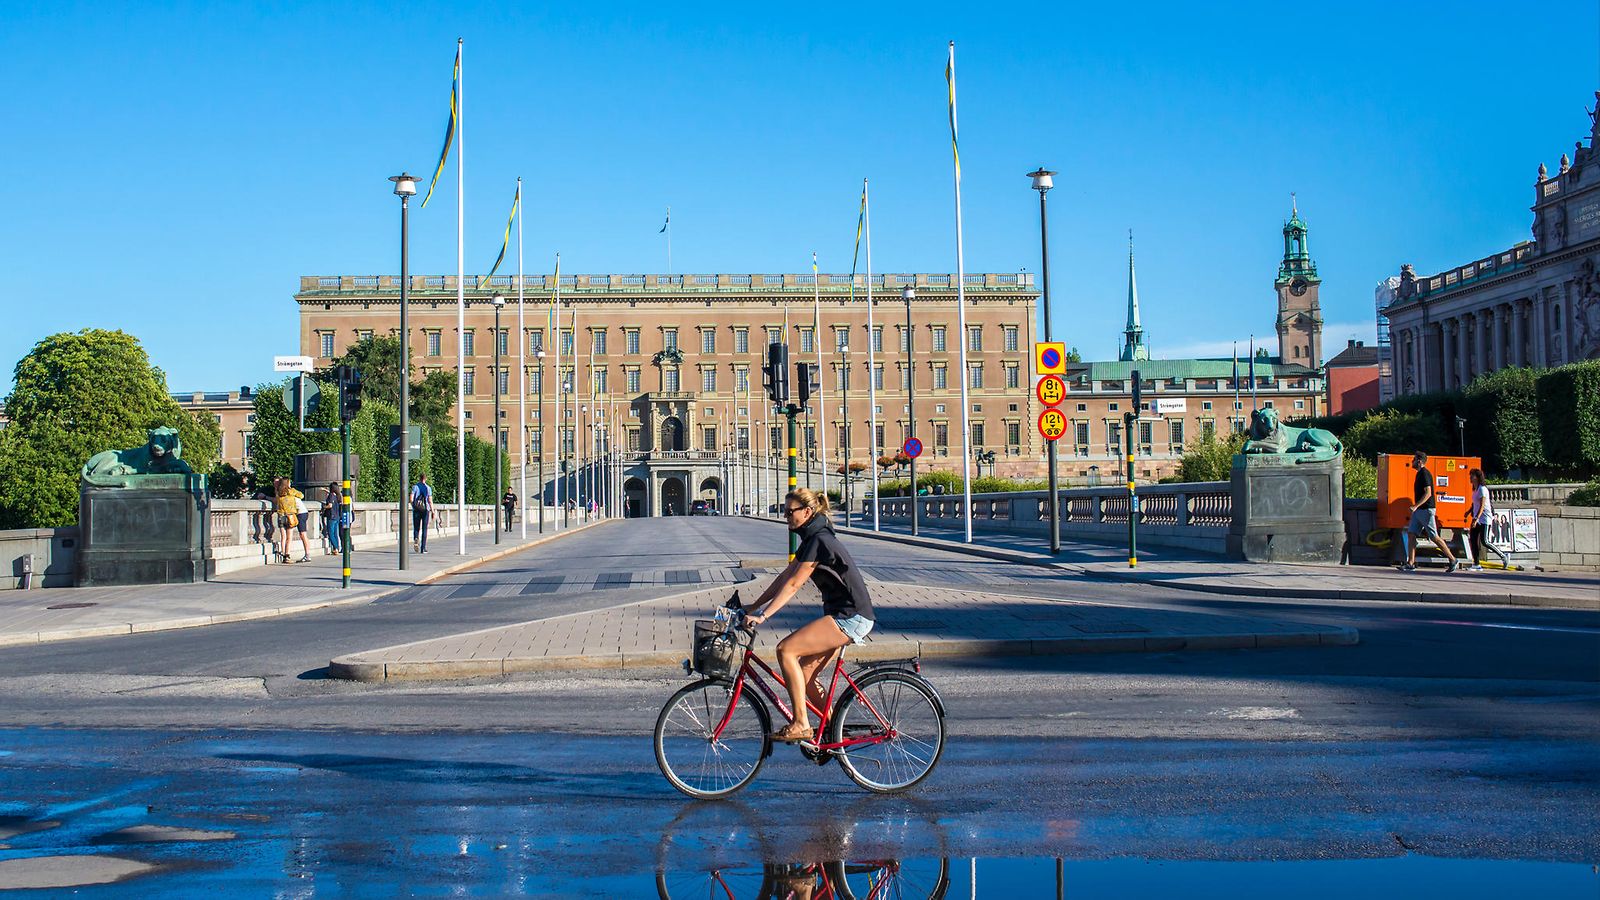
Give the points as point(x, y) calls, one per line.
point(775, 374)
point(349, 393)
point(806, 376)
point(1138, 404)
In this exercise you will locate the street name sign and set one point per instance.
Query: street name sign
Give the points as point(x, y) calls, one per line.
point(292, 364)
point(1052, 424)
point(1050, 358)
point(1051, 390)
point(1171, 405)
point(912, 448)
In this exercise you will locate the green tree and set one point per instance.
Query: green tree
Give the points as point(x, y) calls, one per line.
point(1394, 431)
point(1073, 356)
point(1211, 459)
point(378, 360)
point(74, 395)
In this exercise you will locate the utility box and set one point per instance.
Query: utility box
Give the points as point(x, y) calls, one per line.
point(1452, 488)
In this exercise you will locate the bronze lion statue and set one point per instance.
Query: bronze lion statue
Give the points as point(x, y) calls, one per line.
point(1269, 435)
point(162, 454)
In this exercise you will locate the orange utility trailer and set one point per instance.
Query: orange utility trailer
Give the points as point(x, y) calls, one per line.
point(1451, 485)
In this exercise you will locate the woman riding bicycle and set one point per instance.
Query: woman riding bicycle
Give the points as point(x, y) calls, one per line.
point(847, 610)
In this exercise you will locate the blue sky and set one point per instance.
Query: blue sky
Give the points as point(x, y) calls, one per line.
point(175, 167)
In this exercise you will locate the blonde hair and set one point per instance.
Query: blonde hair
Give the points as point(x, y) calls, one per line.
point(812, 500)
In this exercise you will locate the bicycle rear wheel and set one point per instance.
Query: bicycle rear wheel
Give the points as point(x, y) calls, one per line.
point(698, 764)
point(913, 715)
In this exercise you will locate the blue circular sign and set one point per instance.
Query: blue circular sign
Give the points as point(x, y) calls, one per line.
point(913, 448)
point(1051, 357)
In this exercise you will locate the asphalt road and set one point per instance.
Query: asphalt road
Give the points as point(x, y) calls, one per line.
point(1450, 733)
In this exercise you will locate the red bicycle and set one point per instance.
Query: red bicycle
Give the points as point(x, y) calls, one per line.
point(886, 728)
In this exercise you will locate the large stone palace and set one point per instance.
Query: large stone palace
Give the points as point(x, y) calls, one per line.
point(1533, 304)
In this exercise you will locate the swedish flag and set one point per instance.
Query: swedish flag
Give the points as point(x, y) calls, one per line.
point(950, 80)
point(449, 131)
point(510, 220)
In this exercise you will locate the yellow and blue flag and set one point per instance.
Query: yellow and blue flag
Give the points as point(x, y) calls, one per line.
point(449, 131)
point(950, 80)
point(511, 219)
point(861, 218)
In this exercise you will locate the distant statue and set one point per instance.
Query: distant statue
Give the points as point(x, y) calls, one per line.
point(1407, 288)
point(162, 454)
point(1268, 436)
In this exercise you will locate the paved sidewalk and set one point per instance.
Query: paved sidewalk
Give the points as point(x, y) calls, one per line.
point(1186, 570)
point(58, 614)
point(912, 620)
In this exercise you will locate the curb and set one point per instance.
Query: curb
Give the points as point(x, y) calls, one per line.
point(1332, 636)
point(367, 596)
point(1510, 598)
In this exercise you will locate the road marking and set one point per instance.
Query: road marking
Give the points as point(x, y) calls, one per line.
point(1566, 628)
point(1258, 713)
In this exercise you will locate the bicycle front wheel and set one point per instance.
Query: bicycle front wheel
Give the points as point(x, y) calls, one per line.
point(700, 764)
point(901, 711)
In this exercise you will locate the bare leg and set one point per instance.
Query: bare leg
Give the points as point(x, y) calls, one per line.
point(818, 639)
point(1443, 547)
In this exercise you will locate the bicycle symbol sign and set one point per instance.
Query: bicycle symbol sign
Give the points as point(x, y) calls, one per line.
point(1052, 424)
point(1051, 390)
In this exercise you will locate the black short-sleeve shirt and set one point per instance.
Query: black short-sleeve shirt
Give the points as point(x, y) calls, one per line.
point(838, 578)
point(1423, 484)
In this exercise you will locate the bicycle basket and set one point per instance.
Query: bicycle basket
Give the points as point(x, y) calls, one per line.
point(716, 650)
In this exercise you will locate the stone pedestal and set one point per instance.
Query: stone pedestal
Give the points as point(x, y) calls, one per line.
point(1285, 511)
point(151, 534)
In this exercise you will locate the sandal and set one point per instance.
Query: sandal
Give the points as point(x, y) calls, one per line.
point(793, 732)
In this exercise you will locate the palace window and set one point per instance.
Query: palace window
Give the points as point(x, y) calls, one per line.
point(535, 340)
point(503, 380)
point(325, 341)
point(974, 338)
point(941, 378)
point(631, 378)
point(708, 379)
point(877, 338)
point(1014, 435)
point(468, 382)
point(708, 340)
point(741, 379)
point(600, 380)
point(841, 338)
point(669, 338)
point(431, 341)
point(1010, 332)
point(467, 342)
point(774, 334)
point(1013, 379)
point(597, 337)
point(938, 339)
point(975, 375)
point(669, 377)
point(741, 340)
point(501, 340)
point(807, 340)
point(877, 377)
point(631, 338)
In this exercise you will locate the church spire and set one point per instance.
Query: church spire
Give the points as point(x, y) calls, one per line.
point(1133, 346)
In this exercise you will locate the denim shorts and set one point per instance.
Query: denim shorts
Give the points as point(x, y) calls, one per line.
point(855, 628)
point(1423, 524)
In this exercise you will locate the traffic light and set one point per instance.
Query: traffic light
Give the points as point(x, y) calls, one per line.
point(775, 374)
point(1138, 405)
point(349, 393)
point(806, 375)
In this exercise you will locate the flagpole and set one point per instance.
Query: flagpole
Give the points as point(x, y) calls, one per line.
point(1231, 418)
point(1252, 373)
point(559, 489)
point(822, 377)
point(522, 377)
point(961, 320)
point(461, 311)
point(669, 242)
point(872, 368)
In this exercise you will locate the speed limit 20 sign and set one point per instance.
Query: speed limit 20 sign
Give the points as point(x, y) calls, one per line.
point(1052, 424)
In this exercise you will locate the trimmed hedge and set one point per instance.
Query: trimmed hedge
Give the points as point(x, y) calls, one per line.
point(1569, 416)
point(1502, 413)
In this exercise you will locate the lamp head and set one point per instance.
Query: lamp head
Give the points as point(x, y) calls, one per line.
point(909, 294)
point(1043, 179)
point(499, 300)
point(405, 185)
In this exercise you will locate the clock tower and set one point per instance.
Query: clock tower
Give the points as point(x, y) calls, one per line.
point(1299, 311)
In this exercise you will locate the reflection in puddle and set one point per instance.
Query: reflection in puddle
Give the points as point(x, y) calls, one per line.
point(1406, 876)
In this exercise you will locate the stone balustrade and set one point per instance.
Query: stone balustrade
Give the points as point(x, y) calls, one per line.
point(1193, 516)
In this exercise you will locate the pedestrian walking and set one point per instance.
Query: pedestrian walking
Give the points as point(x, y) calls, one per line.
point(332, 510)
point(421, 512)
point(1480, 514)
point(509, 502)
point(290, 518)
point(1423, 521)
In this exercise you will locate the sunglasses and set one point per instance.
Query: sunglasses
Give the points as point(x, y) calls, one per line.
point(791, 510)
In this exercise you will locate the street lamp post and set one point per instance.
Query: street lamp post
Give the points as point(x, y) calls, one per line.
point(499, 302)
point(405, 186)
point(1043, 180)
point(910, 294)
point(538, 403)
